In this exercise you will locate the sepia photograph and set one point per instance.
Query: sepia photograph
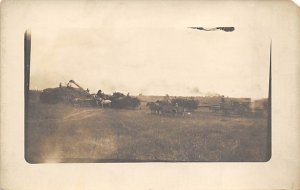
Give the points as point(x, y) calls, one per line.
point(147, 94)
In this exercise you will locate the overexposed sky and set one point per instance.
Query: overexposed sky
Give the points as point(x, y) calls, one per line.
point(147, 48)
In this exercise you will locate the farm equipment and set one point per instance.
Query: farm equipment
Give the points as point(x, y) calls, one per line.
point(82, 98)
point(232, 107)
point(119, 100)
point(70, 95)
point(88, 101)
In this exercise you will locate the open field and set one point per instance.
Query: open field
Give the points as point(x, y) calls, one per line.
point(62, 133)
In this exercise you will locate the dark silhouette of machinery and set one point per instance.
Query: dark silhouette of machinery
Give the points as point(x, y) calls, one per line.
point(80, 97)
point(67, 94)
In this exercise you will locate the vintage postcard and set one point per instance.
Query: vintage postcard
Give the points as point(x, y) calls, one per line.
point(198, 87)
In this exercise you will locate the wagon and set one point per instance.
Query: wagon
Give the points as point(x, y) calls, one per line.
point(232, 108)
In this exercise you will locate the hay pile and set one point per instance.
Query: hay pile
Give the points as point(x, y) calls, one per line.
point(61, 95)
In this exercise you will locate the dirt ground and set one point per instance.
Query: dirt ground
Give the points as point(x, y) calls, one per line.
point(62, 133)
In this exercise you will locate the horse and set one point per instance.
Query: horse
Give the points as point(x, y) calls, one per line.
point(106, 103)
point(168, 109)
point(154, 107)
point(103, 102)
point(171, 109)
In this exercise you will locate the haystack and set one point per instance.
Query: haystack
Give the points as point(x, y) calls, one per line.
point(62, 95)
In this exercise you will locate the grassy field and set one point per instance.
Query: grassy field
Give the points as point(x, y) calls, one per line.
point(62, 133)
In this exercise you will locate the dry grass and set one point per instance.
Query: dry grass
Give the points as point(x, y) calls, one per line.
point(60, 133)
